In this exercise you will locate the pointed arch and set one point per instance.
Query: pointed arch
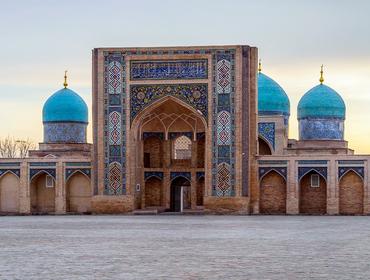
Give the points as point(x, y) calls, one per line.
point(9, 192)
point(264, 146)
point(351, 193)
point(312, 199)
point(77, 171)
point(273, 193)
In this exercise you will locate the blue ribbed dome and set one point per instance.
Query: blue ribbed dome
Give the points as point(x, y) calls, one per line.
point(321, 102)
point(65, 106)
point(272, 99)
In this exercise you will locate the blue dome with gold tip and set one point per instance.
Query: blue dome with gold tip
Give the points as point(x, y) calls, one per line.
point(65, 105)
point(321, 102)
point(272, 99)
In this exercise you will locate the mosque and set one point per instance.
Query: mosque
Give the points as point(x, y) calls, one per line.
point(191, 130)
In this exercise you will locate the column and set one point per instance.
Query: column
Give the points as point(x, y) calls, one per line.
point(60, 191)
point(24, 191)
point(332, 189)
point(292, 188)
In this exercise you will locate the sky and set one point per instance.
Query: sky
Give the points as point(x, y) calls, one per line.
point(39, 39)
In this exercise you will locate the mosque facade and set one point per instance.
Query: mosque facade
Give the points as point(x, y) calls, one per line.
point(192, 130)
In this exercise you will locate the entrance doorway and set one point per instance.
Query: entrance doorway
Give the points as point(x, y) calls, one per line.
point(180, 194)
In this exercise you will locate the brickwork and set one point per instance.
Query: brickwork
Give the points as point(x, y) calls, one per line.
point(351, 194)
point(153, 192)
point(273, 194)
point(312, 199)
point(153, 150)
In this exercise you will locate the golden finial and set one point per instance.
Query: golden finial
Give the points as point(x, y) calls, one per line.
point(65, 79)
point(322, 74)
point(259, 66)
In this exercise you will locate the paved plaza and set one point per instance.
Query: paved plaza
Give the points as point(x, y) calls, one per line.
point(184, 247)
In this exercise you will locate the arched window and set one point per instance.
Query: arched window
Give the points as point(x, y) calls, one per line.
point(182, 148)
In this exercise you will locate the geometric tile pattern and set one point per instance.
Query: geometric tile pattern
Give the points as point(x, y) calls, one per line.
point(167, 70)
point(266, 130)
point(115, 124)
point(323, 171)
point(115, 178)
point(223, 165)
point(223, 180)
point(142, 96)
point(223, 128)
point(186, 175)
point(114, 128)
point(223, 76)
point(114, 78)
point(49, 171)
point(359, 170)
point(16, 172)
point(70, 171)
point(149, 174)
point(262, 171)
point(69, 132)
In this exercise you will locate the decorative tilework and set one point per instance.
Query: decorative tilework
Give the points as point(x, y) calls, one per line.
point(48, 171)
point(148, 174)
point(147, 135)
point(144, 95)
point(264, 170)
point(223, 128)
point(186, 175)
point(200, 135)
point(70, 171)
point(311, 162)
point(321, 129)
point(114, 128)
point(357, 169)
point(223, 180)
point(223, 76)
point(167, 70)
point(223, 138)
point(115, 124)
point(16, 172)
point(114, 78)
point(267, 131)
point(58, 132)
point(358, 162)
point(200, 174)
point(115, 178)
point(273, 162)
point(302, 171)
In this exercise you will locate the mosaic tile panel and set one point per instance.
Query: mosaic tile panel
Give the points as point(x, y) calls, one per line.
point(266, 130)
point(115, 120)
point(149, 174)
point(114, 128)
point(357, 169)
point(114, 77)
point(144, 95)
point(223, 128)
point(147, 135)
point(200, 175)
point(16, 172)
point(168, 70)
point(262, 171)
point(70, 171)
point(224, 187)
point(186, 175)
point(49, 171)
point(115, 178)
point(65, 132)
point(302, 171)
point(174, 135)
point(223, 137)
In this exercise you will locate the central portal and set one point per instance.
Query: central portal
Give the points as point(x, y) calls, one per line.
point(171, 150)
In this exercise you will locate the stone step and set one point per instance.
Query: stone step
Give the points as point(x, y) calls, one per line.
point(146, 212)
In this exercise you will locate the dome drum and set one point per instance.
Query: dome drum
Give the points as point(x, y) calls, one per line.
point(67, 132)
point(321, 129)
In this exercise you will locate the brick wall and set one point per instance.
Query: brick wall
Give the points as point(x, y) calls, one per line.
point(312, 199)
point(351, 194)
point(153, 191)
point(273, 194)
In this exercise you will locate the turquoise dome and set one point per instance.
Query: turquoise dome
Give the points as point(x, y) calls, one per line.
point(65, 106)
point(272, 99)
point(321, 102)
